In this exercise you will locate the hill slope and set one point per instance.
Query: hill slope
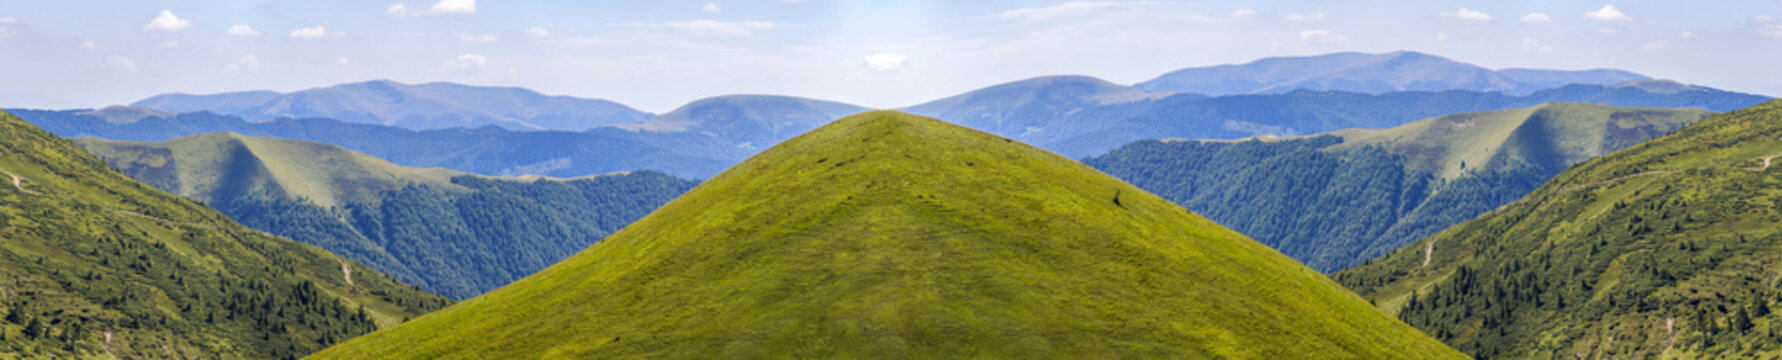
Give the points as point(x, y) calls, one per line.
point(893, 236)
point(97, 265)
point(1668, 247)
point(451, 233)
point(1335, 200)
point(424, 106)
point(1372, 74)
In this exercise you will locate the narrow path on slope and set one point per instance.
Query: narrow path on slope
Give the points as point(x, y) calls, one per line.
point(19, 182)
point(1766, 162)
point(347, 271)
point(1427, 250)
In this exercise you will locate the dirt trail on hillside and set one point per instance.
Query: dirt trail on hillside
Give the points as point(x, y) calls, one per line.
point(347, 271)
point(1427, 251)
point(19, 182)
point(1766, 162)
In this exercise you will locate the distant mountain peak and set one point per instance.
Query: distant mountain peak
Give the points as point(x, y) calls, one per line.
point(426, 106)
point(1401, 70)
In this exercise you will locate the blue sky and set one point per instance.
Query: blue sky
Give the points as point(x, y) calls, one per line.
point(656, 55)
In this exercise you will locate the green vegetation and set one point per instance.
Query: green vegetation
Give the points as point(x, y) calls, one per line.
point(888, 235)
point(1334, 201)
point(1667, 249)
point(96, 265)
point(451, 233)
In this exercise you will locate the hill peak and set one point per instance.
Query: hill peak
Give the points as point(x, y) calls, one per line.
point(889, 235)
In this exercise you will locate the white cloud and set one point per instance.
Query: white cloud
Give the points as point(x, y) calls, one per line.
point(710, 27)
point(6, 30)
point(1468, 14)
point(1608, 13)
point(242, 30)
point(1303, 17)
point(1774, 31)
point(1536, 17)
point(249, 63)
point(1069, 9)
point(711, 7)
point(443, 7)
point(120, 63)
point(1656, 46)
point(399, 10)
point(1241, 12)
point(1322, 37)
point(1442, 37)
point(885, 61)
point(1532, 45)
point(466, 62)
point(454, 7)
point(315, 32)
point(343, 61)
point(167, 21)
point(478, 38)
point(168, 44)
point(88, 45)
point(539, 31)
point(1687, 35)
point(1763, 18)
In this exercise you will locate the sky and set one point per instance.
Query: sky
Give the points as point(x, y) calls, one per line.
point(657, 55)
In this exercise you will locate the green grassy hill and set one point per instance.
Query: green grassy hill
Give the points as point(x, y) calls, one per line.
point(96, 265)
point(888, 235)
point(1336, 200)
point(1667, 249)
point(451, 233)
point(215, 167)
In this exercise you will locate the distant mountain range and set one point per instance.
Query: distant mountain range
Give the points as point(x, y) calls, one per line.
point(1073, 115)
point(1666, 249)
point(1336, 200)
point(694, 141)
point(1080, 116)
point(419, 107)
point(1371, 74)
point(448, 232)
point(886, 235)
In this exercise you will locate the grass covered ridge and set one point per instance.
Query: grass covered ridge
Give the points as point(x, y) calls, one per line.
point(96, 265)
point(1666, 249)
point(890, 235)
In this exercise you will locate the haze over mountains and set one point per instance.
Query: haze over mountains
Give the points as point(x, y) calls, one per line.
point(1371, 74)
point(425, 106)
point(1669, 248)
point(1073, 115)
point(887, 235)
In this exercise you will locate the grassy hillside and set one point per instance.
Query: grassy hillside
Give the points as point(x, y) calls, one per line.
point(97, 265)
point(217, 166)
point(1333, 201)
point(888, 235)
point(448, 232)
point(1667, 249)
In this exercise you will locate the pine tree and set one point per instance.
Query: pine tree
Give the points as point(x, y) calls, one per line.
point(35, 329)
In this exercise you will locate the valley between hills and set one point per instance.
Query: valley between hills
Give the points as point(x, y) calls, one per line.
point(1344, 206)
